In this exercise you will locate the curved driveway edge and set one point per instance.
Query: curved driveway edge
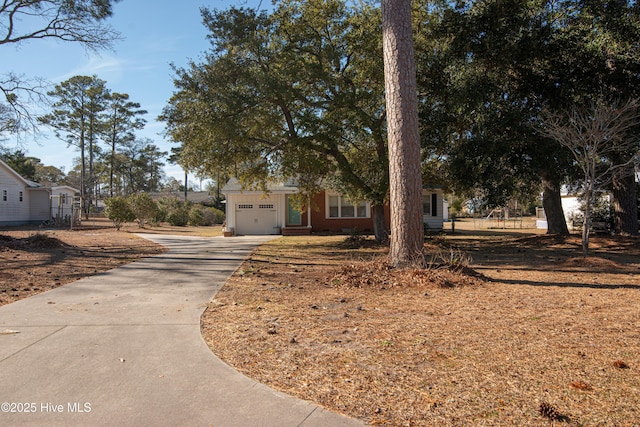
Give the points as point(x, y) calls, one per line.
point(124, 348)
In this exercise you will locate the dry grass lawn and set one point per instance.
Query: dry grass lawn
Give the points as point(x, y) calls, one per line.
point(545, 337)
point(534, 335)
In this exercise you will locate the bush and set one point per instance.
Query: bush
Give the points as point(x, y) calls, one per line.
point(179, 216)
point(143, 207)
point(196, 216)
point(119, 211)
point(219, 216)
point(202, 216)
point(209, 216)
point(166, 206)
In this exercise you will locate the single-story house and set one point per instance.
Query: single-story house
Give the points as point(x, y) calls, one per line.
point(21, 201)
point(25, 202)
point(274, 211)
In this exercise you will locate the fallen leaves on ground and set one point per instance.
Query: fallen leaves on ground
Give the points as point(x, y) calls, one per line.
point(443, 346)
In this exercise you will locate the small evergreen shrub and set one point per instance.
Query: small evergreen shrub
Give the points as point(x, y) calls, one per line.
point(119, 211)
point(219, 216)
point(196, 216)
point(143, 207)
point(179, 216)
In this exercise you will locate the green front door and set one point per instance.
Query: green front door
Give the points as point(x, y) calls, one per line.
point(294, 216)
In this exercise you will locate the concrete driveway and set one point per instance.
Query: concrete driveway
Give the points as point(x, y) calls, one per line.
point(124, 348)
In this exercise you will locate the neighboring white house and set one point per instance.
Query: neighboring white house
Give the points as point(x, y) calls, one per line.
point(434, 208)
point(21, 201)
point(64, 204)
point(274, 211)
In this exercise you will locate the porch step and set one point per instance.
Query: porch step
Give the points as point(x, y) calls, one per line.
point(296, 231)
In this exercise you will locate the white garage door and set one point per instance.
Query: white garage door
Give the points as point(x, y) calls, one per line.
point(256, 218)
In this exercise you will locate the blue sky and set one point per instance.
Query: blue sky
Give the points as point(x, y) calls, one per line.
point(156, 33)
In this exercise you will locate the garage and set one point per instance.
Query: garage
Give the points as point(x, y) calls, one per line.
point(255, 211)
point(256, 218)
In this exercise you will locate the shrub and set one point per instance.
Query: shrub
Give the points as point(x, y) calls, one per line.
point(209, 216)
point(178, 216)
point(196, 216)
point(119, 211)
point(203, 216)
point(167, 205)
point(219, 216)
point(143, 207)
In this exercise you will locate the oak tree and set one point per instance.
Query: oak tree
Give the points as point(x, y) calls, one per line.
point(289, 94)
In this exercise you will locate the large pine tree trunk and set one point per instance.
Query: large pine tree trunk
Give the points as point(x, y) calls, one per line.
point(405, 179)
point(625, 201)
point(552, 204)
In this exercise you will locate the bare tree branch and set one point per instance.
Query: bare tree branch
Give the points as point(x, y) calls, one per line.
point(596, 135)
point(78, 21)
point(602, 140)
point(21, 95)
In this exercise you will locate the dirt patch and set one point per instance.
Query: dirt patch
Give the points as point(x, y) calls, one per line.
point(593, 263)
point(37, 260)
point(537, 337)
point(33, 241)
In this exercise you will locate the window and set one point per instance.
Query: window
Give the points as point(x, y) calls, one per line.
point(245, 206)
point(341, 207)
point(426, 204)
point(63, 199)
point(347, 210)
point(430, 204)
point(4, 195)
point(265, 206)
point(334, 209)
point(21, 197)
point(362, 210)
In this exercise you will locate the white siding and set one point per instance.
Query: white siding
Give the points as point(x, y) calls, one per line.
point(12, 210)
point(62, 202)
point(38, 205)
point(267, 213)
point(435, 222)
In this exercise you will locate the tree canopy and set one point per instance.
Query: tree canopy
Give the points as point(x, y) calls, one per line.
point(299, 92)
point(489, 68)
point(292, 93)
point(90, 117)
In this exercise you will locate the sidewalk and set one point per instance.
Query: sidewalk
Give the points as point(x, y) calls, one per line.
point(124, 348)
